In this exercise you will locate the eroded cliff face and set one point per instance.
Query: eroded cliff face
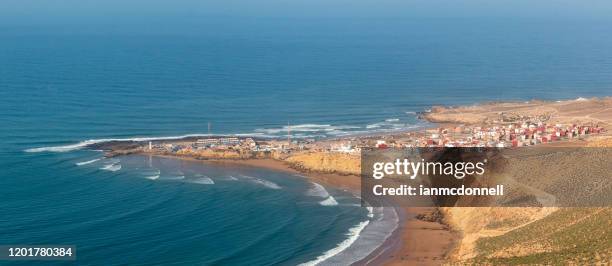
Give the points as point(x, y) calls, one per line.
point(339, 163)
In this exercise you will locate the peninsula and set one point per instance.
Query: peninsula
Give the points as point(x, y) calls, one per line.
point(453, 234)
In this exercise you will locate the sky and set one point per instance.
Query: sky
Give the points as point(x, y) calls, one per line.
point(96, 11)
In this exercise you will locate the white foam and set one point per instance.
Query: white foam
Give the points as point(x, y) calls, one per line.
point(352, 234)
point(88, 162)
point(256, 134)
point(203, 181)
point(306, 126)
point(370, 212)
point(152, 174)
point(330, 201)
point(111, 167)
point(174, 177)
point(86, 143)
point(581, 99)
point(392, 120)
point(263, 182)
point(382, 125)
point(267, 183)
point(338, 133)
point(153, 177)
point(324, 128)
point(298, 131)
point(317, 191)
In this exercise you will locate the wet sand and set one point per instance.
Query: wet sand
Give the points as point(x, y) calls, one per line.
point(422, 242)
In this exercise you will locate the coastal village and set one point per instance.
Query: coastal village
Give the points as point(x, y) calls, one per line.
point(520, 132)
point(512, 126)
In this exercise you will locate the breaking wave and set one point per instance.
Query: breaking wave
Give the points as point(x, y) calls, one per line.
point(111, 167)
point(370, 212)
point(330, 201)
point(88, 162)
point(317, 191)
point(297, 131)
point(352, 234)
point(265, 183)
point(203, 181)
point(153, 177)
point(86, 143)
point(174, 177)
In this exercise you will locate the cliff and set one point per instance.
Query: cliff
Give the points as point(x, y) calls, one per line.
point(339, 163)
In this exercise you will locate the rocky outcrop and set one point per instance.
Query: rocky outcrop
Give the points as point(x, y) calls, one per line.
point(326, 162)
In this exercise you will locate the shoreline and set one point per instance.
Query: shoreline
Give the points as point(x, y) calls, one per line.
point(403, 246)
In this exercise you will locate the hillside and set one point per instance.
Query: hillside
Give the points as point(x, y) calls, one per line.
point(568, 235)
point(544, 235)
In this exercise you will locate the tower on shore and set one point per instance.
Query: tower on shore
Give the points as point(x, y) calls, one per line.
point(288, 134)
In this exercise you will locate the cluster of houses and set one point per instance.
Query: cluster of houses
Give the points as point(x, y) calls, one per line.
point(227, 143)
point(515, 135)
point(502, 136)
point(222, 143)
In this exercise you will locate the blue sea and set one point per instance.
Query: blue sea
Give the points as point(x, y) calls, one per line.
point(62, 86)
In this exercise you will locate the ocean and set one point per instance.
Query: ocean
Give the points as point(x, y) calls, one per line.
point(63, 86)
